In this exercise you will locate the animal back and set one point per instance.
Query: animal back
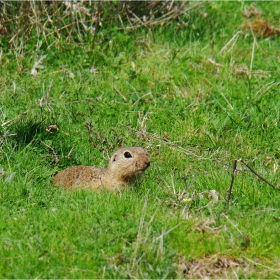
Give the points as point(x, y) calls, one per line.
point(79, 177)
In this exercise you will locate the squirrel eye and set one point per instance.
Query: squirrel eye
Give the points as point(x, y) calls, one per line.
point(127, 155)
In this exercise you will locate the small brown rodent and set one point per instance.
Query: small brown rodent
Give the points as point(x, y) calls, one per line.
point(125, 168)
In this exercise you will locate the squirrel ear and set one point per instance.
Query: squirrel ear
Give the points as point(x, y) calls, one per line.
point(114, 158)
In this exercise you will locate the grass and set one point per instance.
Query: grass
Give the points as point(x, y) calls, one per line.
point(195, 98)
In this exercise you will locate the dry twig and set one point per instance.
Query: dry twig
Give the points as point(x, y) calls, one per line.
point(4, 136)
point(234, 169)
point(89, 128)
point(38, 65)
point(15, 118)
point(54, 154)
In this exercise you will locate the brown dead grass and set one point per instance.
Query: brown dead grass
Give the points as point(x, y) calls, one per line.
point(227, 267)
point(215, 266)
point(257, 24)
point(261, 28)
point(71, 20)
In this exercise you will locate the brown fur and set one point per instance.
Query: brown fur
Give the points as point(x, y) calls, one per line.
point(125, 168)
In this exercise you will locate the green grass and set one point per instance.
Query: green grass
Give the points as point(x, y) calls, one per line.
point(157, 89)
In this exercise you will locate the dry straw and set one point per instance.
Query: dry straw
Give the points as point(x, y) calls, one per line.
point(53, 21)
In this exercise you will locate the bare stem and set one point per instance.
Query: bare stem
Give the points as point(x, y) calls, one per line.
point(89, 128)
point(231, 183)
point(252, 170)
point(16, 118)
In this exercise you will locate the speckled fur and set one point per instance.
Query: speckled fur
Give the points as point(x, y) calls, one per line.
point(121, 171)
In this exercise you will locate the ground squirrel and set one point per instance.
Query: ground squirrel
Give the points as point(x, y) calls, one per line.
point(125, 168)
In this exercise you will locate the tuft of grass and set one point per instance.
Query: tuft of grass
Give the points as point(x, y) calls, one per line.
point(197, 93)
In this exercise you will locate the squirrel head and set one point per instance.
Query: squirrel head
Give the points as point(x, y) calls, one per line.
point(129, 162)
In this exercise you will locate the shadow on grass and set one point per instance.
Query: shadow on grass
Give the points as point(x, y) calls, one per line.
point(28, 131)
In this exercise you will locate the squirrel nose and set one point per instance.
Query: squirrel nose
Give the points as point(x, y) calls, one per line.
point(147, 162)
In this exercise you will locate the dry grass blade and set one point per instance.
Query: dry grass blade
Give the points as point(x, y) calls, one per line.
point(15, 118)
point(167, 232)
point(261, 265)
point(265, 89)
point(170, 144)
point(252, 56)
point(230, 44)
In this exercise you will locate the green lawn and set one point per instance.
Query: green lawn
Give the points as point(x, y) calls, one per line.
point(196, 97)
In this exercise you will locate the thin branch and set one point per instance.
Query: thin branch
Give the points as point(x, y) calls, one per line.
point(53, 152)
point(121, 95)
point(231, 183)
point(71, 150)
point(5, 135)
point(252, 170)
point(89, 128)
